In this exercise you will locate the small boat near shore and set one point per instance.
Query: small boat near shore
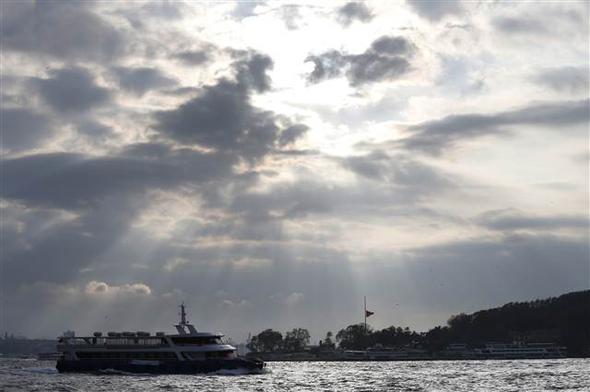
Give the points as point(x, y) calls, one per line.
point(187, 352)
point(520, 350)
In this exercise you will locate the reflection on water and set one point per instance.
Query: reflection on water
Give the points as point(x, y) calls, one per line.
point(527, 375)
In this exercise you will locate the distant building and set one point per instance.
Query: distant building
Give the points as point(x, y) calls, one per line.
point(6, 336)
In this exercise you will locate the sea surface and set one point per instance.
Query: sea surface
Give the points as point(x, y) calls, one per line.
point(521, 375)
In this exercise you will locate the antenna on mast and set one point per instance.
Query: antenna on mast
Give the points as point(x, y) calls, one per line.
point(183, 320)
point(180, 327)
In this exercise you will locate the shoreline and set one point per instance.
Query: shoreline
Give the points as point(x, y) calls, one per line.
point(417, 359)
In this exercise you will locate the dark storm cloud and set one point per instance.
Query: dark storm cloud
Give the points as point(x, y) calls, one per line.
point(328, 65)
point(94, 130)
point(435, 10)
point(564, 79)
point(222, 116)
point(193, 57)
point(142, 79)
point(21, 129)
point(394, 46)
point(435, 136)
point(62, 29)
point(369, 68)
point(350, 12)
point(292, 133)
point(519, 25)
point(371, 166)
point(182, 91)
point(70, 90)
point(510, 220)
point(402, 172)
point(198, 53)
point(75, 181)
point(251, 72)
point(386, 59)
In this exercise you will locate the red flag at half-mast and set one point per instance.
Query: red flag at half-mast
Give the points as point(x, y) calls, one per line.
point(368, 313)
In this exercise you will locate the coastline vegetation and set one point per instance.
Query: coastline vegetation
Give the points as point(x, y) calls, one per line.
point(564, 320)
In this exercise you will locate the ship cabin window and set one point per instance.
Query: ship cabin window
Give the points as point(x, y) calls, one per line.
point(115, 341)
point(126, 355)
point(226, 354)
point(133, 341)
point(195, 340)
point(220, 354)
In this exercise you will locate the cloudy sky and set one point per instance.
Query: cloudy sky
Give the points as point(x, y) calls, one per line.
point(271, 163)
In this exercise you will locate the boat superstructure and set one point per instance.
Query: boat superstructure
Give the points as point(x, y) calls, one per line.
point(520, 350)
point(188, 351)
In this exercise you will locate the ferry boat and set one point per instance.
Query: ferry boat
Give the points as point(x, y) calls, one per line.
point(187, 352)
point(521, 350)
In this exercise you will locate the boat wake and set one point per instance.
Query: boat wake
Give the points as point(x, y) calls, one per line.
point(222, 372)
point(123, 373)
point(240, 372)
point(36, 370)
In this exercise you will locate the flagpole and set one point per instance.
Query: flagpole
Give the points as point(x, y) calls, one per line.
point(365, 315)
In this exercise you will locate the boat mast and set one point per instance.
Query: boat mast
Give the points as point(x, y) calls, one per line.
point(180, 327)
point(183, 320)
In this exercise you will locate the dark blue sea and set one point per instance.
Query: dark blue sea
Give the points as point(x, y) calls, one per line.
point(470, 376)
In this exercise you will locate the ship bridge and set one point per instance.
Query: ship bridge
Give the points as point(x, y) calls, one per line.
point(186, 329)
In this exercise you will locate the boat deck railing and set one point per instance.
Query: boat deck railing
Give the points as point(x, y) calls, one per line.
point(114, 341)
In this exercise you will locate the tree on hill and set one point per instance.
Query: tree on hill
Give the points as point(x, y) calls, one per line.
point(565, 319)
point(354, 337)
point(266, 341)
point(328, 342)
point(394, 336)
point(437, 339)
point(296, 340)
